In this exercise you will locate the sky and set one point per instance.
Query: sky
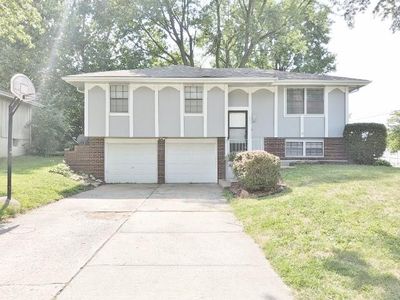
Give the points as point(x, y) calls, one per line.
point(368, 51)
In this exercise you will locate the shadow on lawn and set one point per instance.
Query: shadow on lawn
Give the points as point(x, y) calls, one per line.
point(324, 174)
point(391, 242)
point(350, 264)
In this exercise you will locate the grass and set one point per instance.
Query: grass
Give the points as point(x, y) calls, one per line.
point(33, 184)
point(335, 234)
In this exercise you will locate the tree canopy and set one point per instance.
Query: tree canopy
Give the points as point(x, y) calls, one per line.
point(394, 131)
point(48, 39)
point(386, 9)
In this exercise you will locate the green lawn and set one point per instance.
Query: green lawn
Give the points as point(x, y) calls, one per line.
point(335, 234)
point(33, 184)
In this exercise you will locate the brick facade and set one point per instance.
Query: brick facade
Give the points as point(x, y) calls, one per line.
point(221, 158)
point(161, 161)
point(87, 158)
point(333, 149)
point(275, 146)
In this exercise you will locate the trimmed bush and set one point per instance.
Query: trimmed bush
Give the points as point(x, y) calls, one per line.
point(257, 170)
point(365, 142)
point(382, 163)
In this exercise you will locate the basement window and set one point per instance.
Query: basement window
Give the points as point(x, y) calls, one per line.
point(304, 148)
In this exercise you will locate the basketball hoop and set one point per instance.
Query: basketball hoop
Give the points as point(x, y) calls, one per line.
point(23, 88)
point(24, 91)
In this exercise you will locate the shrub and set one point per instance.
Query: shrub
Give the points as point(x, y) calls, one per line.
point(61, 169)
point(382, 162)
point(365, 142)
point(257, 170)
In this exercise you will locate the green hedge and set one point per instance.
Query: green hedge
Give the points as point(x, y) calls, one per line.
point(365, 142)
point(257, 170)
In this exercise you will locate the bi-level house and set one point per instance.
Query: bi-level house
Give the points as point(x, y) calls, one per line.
point(177, 124)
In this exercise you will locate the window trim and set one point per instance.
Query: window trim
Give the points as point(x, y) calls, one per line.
point(304, 141)
point(193, 114)
point(118, 113)
point(285, 113)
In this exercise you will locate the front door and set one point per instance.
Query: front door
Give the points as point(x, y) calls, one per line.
point(237, 134)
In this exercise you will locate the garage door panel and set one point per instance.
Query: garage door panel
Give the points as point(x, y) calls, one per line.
point(191, 161)
point(131, 162)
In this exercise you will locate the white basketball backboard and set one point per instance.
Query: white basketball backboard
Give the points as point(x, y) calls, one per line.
point(23, 88)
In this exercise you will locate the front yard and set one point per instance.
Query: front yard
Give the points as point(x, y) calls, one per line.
point(335, 234)
point(33, 184)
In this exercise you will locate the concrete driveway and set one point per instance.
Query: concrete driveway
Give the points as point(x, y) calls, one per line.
point(134, 242)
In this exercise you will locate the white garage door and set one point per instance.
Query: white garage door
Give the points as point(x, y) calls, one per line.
point(131, 161)
point(191, 160)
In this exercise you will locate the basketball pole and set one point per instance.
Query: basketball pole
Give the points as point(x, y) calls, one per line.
point(12, 108)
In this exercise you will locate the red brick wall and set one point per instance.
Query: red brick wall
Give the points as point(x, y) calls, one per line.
point(161, 161)
point(333, 149)
point(221, 157)
point(275, 146)
point(87, 158)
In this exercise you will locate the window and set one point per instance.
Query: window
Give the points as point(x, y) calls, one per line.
point(119, 98)
point(315, 101)
point(294, 149)
point(300, 101)
point(314, 149)
point(295, 101)
point(193, 99)
point(304, 148)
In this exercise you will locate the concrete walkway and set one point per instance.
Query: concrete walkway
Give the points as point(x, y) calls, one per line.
point(134, 242)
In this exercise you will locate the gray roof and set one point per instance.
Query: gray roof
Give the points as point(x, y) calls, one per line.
point(179, 71)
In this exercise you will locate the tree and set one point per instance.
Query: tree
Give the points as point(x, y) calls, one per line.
point(18, 20)
point(386, 9)
point(282, 35)
point(394, 131)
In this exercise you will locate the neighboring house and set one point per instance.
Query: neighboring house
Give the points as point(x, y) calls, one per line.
point(21, 125)
point(177, 124)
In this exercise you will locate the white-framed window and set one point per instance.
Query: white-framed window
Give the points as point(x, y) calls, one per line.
point(304, 148)
point(304, 101)
point(119, 102)
point(193, 99)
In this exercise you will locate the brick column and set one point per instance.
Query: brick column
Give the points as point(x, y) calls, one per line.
point(221, 157)
point(275, 146)
point(161, 160)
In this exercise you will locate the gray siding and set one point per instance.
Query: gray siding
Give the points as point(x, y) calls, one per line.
point(169, 112)
point(119, 126)
point(263, 113)
point(194, 126)
point(96, 111)
point(287, 126)
point(21, 128)
point(336, 113)
point(215, 113)
point(143, 112)
point(238, 98)
point(314, 126)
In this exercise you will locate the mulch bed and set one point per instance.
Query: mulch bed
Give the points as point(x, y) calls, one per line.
point(240, 192)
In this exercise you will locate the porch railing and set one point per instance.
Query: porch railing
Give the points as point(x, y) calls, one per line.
point(240, 145)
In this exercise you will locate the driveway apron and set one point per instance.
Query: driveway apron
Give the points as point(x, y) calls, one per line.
point(135, 242)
